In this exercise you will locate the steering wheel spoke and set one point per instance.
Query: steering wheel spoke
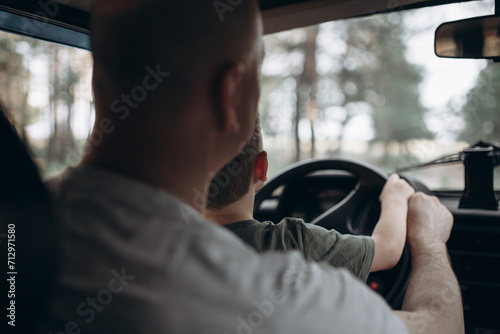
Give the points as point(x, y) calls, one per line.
point(347, 215)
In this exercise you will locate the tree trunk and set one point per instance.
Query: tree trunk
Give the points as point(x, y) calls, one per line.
point(296, 121)
point(313, 139)
point(53, 142)
point(307, 90)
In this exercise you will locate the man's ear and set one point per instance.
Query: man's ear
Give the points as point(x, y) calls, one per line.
point(260, 169)
point(229, 93)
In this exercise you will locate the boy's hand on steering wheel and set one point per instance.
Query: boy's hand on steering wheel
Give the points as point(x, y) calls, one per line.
point(396, 189)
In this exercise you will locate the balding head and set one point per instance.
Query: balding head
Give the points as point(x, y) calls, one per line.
point(186, 39)
point(176, 87)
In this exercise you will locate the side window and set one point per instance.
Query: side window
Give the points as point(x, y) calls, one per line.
point(46, 90)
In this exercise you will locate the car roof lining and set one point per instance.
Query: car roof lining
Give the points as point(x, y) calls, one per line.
point(69, 23)
point(306, 13)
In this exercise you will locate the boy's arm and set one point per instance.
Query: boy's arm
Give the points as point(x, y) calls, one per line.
point(389, 234)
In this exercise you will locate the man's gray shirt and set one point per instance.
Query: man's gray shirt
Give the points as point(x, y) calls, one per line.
point(135, 259)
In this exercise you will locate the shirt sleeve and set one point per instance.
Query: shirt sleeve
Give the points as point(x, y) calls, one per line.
point(354, 253)
point(362, 310)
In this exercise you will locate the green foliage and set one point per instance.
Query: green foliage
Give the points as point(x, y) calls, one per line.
point(390, 83)
point(368, 68)
point(480, 113)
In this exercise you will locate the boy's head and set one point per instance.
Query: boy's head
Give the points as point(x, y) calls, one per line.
point(233, 181)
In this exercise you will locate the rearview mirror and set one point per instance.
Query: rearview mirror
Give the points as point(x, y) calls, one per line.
point(478, 37)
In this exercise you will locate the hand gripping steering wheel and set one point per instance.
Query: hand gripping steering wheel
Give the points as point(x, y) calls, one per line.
point(352, 214)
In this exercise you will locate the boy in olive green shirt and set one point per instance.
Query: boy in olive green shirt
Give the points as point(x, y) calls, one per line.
point(232, 207)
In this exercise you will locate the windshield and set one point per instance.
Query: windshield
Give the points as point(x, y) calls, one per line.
point(368, 88)
point(372, 89)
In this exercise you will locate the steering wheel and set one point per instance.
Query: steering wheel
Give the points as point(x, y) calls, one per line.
point(351, 215)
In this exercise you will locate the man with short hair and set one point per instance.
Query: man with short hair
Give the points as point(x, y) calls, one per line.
point(176, 90)
point(231, 204)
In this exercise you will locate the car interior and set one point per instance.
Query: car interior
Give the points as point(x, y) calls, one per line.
point(340, 193)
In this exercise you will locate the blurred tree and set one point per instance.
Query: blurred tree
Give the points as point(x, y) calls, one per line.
point(398, 115)
point(58, 77)
point(374, 74)
point(338, 71)
point(307, 90)
point(63, 80)
point(15, 81)
point(480, 111)
point(297, 51)
point(347, 77)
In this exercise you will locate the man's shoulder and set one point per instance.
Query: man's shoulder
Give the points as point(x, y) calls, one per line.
point(89, 188)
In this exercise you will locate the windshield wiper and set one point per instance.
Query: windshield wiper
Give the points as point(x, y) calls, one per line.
point(456, 157)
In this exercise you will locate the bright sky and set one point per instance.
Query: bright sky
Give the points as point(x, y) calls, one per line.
point(445, 80)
